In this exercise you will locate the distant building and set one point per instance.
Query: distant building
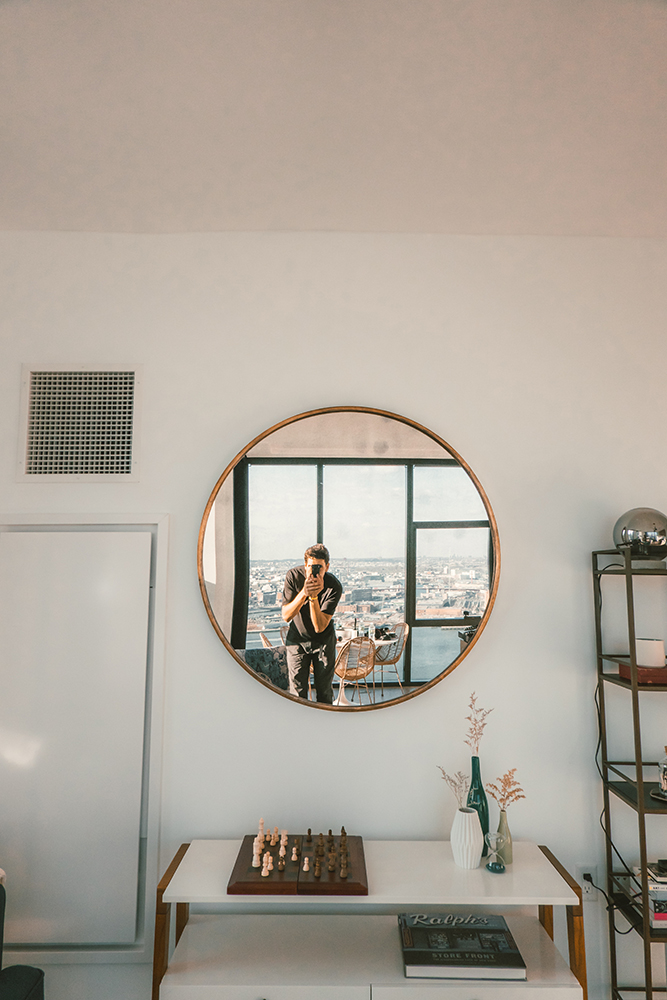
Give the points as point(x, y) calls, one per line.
point(359, 595)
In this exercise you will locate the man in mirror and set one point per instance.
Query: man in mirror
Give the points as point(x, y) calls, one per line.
point(310, 596)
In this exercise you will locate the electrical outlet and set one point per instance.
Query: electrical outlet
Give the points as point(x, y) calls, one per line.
point(588, 892)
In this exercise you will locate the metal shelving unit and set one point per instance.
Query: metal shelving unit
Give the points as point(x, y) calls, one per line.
point(624, 779)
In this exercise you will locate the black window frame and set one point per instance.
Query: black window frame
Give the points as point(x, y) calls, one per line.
point(241, 523)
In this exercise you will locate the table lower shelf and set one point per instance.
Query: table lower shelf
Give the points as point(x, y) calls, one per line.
point(308, 957)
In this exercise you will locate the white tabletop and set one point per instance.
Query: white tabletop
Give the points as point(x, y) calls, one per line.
point(401, 875)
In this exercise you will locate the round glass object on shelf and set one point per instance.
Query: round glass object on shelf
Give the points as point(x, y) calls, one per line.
point(644, 531)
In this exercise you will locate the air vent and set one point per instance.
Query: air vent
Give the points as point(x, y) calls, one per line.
point(79, 423)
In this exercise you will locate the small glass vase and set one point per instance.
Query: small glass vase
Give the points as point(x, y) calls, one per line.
point(477, 800)
point(505, 852)
point(466, 838)
point(662, 775)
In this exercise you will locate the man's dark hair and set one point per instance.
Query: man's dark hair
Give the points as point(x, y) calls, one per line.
point(317, 552)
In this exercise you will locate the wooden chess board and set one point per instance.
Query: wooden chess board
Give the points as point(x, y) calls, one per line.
point(246, 880)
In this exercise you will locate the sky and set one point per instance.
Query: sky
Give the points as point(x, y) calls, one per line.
point(364, 511)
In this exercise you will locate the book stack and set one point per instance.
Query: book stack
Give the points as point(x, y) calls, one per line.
point(657, 894)
point(459, 946)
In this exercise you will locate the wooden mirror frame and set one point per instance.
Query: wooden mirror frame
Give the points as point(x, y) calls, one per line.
point(494, 574)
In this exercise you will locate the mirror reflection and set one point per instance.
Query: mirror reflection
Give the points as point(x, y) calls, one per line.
point(406, 577)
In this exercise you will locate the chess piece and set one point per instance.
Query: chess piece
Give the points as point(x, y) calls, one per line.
point(295, 853)
point(270, 862)
point(274, 838)
point(332, 861)
point(306, 864)
point(282, 852)
point(309, 838)
point(318, 868)
point(281, 863)
point(343, 872)
point(283, 836)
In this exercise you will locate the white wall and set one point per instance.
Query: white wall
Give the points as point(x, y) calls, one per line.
point(447, 116)
point(541, 360)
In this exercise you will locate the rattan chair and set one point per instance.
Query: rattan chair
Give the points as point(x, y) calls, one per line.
point(354, 663)
point(388, 654)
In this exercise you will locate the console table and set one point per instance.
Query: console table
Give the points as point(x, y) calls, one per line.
point(347, 947)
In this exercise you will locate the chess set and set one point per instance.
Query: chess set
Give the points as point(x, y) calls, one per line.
point(273, 863)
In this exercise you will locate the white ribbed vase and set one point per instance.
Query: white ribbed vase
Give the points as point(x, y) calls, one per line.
point(467, 838)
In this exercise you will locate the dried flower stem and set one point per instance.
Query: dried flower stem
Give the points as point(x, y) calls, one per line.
point(458, 784)
point(477, 720)
point(509, 791)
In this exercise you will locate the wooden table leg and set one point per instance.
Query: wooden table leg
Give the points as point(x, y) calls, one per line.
point(575, 924)
point(547, 919)
point(162, 915)
point(182, 917)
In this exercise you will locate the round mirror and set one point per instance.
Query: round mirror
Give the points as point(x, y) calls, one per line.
point(348, 558)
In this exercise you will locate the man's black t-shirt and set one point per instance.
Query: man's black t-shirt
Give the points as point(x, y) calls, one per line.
point(301, 627)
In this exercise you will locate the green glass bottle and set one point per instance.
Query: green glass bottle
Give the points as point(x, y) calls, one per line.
point(477, 800)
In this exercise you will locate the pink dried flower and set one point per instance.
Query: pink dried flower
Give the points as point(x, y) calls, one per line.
point(477, 720)
point(509, 791)
point(458, 784)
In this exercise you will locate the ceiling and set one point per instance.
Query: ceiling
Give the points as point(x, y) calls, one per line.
point(443, 116)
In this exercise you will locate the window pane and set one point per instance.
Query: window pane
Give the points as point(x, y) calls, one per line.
point(283, 511)
point(446, 493)
point(433, 649)
point(282, 517)
point(364, 530)
point(452, 572)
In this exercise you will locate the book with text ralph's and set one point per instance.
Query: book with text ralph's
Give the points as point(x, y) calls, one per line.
point(459, 946)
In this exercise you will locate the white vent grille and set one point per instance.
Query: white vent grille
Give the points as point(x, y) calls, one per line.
point(80, 423)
